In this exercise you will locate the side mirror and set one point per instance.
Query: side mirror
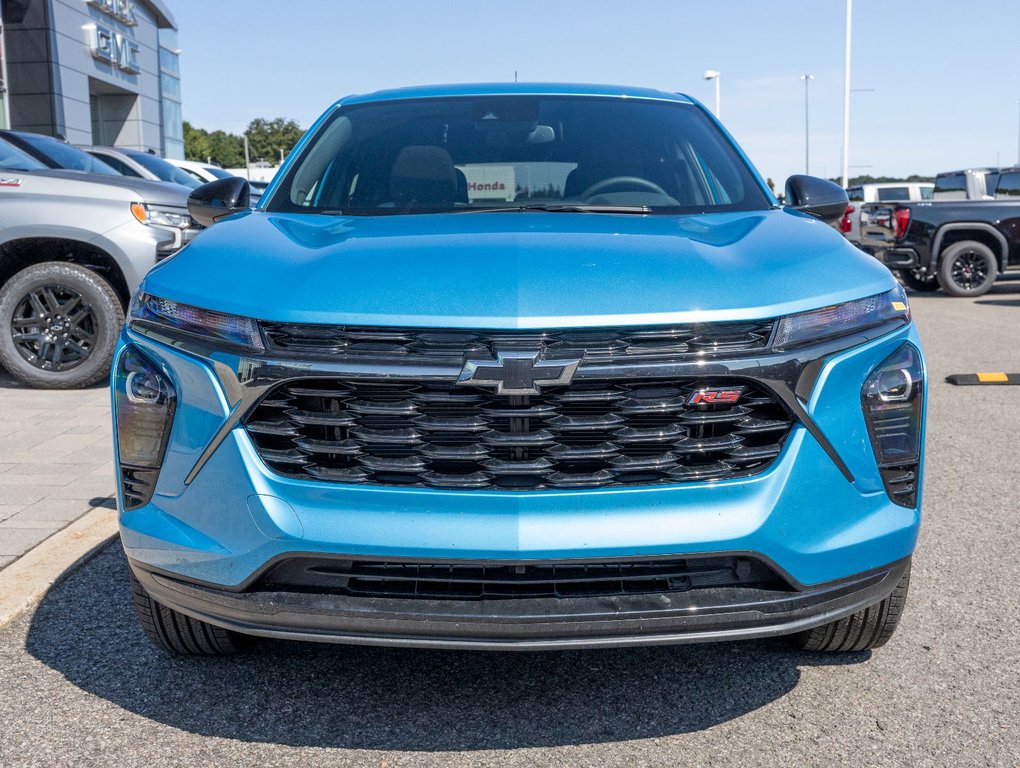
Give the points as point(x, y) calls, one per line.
point(217, 199)
point(817, 197)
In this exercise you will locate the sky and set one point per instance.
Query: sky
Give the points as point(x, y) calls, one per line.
point(938, 77)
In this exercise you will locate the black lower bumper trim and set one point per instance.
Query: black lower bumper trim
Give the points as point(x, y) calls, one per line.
point(900, 258)
point(528, 623)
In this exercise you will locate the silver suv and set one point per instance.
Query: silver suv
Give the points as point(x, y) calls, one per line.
point(73, 246)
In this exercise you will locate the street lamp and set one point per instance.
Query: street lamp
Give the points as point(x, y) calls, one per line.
point(715, 74)
point(807, 125)
point(1018, 133)
point(848, 39)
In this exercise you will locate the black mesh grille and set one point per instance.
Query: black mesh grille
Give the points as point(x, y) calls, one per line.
point(453, 346)
point(493, 580)
point(590, 434)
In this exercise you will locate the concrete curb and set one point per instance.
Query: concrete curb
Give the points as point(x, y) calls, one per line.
point(24, 582)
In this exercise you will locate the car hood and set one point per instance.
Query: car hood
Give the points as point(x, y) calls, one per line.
point(147, 191)
point(517, 270)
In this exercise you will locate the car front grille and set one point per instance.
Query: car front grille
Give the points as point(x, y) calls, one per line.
point(589, 434)
point(443, 345)
point(494, 580)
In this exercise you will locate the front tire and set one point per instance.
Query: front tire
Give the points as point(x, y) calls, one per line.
point(179, 634)
point(59, 324)
point(967, 268)
point(865, 630)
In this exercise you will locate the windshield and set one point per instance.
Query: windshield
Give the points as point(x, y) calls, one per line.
point(13, 159)
point(512, 152)
point(66, 156)
point(162, 170)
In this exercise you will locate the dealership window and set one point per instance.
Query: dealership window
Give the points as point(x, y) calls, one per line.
point(170, 94)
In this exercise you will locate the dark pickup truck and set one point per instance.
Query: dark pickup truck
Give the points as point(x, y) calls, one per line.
point(961, 247)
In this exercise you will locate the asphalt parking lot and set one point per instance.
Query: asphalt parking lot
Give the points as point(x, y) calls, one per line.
point(80, 685)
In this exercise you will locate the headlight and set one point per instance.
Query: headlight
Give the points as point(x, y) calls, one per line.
point(176, 218)
point(145, 400)
point(178, 319)
point(842, 319)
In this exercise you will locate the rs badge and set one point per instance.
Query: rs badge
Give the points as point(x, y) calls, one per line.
point(716, 396)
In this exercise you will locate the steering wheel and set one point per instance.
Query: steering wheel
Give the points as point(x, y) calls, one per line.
point(622, 181)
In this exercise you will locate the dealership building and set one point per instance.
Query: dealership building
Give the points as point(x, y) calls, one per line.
point(102, 72)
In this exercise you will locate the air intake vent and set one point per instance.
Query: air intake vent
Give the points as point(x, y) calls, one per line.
point(495, 580)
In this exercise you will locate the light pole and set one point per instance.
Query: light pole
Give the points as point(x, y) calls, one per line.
point(807, 125)
point(715, 74)
point(846, 92)
point(1018, 132)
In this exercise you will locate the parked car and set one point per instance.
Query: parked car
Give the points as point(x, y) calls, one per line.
point(850, 224)
point(202, 172)
point(519, 367)
point(143, 165)
point(73, 246)
point(968, 184)
point(205, 172)
point(55, 153)
point(961, 247)
point(258, 188)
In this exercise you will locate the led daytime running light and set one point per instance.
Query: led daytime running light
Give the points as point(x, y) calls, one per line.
point(842, 319)
point(195, 321)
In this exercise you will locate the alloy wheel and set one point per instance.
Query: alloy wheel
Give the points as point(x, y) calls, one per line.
point(53, 328)
point(969, 270)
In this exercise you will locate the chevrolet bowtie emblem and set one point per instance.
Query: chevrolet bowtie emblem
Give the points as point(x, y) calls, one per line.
point(517, 373)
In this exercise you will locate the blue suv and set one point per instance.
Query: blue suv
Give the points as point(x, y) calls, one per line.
point(519, 367)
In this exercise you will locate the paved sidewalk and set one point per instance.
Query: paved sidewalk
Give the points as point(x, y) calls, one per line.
point(56, 462)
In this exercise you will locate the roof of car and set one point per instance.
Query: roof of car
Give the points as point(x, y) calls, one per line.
point(192, 163)
point(508, 89)
point(888, 184)
point(968, 170)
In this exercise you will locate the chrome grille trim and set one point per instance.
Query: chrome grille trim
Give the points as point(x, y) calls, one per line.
point(453, 346)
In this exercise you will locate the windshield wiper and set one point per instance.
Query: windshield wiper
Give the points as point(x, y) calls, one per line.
point(546, 207)
point(559, 208)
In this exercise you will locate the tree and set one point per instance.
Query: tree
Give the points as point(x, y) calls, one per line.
point(266, 138)
point(227, 149)
point(196, 143)
point(858, 180)
point(221, 148)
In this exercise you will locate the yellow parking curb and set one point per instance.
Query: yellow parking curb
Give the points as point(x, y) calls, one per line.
point(987, 377)
point(24, 582)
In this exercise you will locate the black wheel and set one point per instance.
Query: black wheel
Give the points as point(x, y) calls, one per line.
point(918, 282)
point(58, 325)
point(176, 633)
point(861, 631)
point(967, 268)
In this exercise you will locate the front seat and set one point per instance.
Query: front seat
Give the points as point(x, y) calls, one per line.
point(423, 176)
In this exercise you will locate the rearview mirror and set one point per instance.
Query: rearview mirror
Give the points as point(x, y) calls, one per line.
point(817, 197)
point(219, 198)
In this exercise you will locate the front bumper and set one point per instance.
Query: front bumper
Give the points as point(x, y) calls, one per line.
point(219, 516)
point(526, 623)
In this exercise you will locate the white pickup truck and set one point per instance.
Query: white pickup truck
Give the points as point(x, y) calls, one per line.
point(888, 192)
